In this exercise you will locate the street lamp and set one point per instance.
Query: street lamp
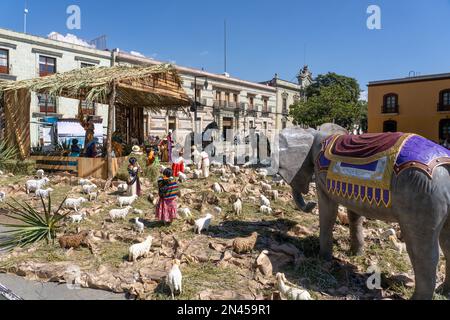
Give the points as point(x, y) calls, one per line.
point(194, 108)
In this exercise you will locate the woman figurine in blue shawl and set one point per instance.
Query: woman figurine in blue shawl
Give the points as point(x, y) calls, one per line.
point(134, 185)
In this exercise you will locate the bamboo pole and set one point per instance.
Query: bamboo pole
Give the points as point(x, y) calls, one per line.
point(112, 100)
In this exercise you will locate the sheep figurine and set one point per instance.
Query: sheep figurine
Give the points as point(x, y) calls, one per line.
point(88, 188)
point(243, 245)
point(126, 201)
point(138, 212)
point(84, 182)
point(43, 193)
point(237, 207)
point(235, 169)
point(74, 241)
point(203, 223)
point(264, 201)
point(291, 292)
point(33, 185)
point(197, 174)
point(265, 186)
point(265, 210)
point(40, 174)
point(122, 188)
point(140, 249)
point(78, 217)
point(2, 196)
point(71, 203)
point(217, 210)
point(93, 195)
point(274, 194)
point(138, 226)
point(262, 173)
point(187, 170)
point(185, 212)
point(174, 278)
point(182, 177)
point(119, 213)
point(217, 188)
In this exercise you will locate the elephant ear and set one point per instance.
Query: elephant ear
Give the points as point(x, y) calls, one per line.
point(294, 146)
point(331, 128)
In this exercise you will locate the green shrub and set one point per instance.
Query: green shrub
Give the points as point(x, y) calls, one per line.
point(25, 167)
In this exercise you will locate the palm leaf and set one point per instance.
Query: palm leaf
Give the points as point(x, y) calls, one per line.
point(32, 226)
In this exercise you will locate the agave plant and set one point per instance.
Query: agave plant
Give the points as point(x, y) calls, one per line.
point(31, 226)
point(7, 153)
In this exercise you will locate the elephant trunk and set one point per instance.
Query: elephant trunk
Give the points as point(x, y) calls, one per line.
point(300, 202)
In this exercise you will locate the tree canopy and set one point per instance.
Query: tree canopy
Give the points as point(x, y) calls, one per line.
point(331, 98)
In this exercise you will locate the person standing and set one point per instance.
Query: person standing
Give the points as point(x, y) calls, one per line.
point(134, 185)
point(170, 145)
point(166, 209)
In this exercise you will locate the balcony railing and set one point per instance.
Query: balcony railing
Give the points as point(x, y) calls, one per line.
point(442, 107)
point(390, 109)
point(226, 105)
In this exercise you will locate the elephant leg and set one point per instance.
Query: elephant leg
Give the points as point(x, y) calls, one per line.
point(300, 202)
point(423, 249)
point(445, 246)
point(356, 233)
point(327, 218)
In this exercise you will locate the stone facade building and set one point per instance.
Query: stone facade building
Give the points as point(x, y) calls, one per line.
point(225, 101)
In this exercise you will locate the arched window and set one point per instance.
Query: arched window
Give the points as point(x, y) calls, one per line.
point(444, 100)
point(390, 126)
point(444, 129)
point(390, 103)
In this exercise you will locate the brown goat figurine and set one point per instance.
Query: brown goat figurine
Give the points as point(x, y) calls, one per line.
point(242, 245)
point(74, 240)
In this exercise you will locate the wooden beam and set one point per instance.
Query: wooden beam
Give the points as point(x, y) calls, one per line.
point(111, 107)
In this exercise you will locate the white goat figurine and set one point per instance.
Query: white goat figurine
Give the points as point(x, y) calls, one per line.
point(217, 210)
point(88, 188)
point(2, 196)
point(185, 212)
point(265, 209)
point(77, 218)
point(291, 292)
point(40, 174)
point(126, 201)
point(138, 226)
point(265, 186)
point(140, 249)
point(122, 188)
point(71, 203)
point(264, 201)
point(203, 223)
point(84, 182)
point(237, 207)
point(119, 213)
point(197, 174)
point(182, 177)
point(93, 195)
point(43, 193)
point(217, 188)
point(174, 279)
point(33, 185)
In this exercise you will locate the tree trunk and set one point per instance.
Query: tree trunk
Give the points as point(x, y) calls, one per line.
point(111, 107)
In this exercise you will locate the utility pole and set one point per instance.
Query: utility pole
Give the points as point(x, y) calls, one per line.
point(25, 13)
point(225, 45)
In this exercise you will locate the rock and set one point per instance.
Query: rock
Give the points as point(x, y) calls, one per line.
point(217, 246)
point(264, 264)
point(148, 274)
point(300, 230)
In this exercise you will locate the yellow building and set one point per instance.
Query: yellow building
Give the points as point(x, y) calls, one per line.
point(415, 105)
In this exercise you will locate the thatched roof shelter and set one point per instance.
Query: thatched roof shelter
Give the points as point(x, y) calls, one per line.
point(151, 87)
point(154, 88)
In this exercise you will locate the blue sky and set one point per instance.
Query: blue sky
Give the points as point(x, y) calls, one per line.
point(264, 37)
